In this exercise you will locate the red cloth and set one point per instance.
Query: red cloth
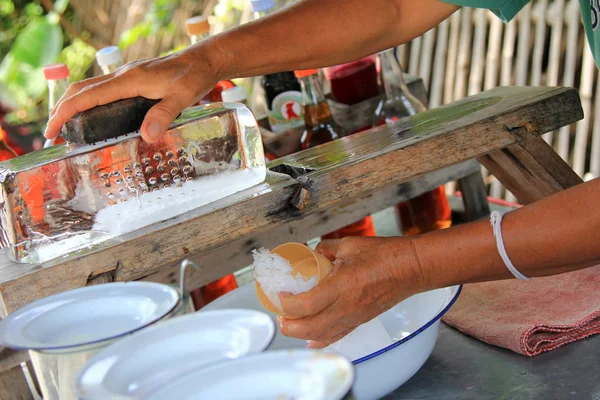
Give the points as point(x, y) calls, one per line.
point(530, 317)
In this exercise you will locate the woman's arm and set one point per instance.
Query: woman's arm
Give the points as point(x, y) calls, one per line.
point(309, 34)
point(555, 235)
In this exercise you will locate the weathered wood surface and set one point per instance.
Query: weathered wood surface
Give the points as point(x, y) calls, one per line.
point(236, 255)
point(13, 385)
point(334, 174)
point(530, 168)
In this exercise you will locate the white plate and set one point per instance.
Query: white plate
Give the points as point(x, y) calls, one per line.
point(413, 325)
point(87, 316)
point(274, 375)
point(133, 367)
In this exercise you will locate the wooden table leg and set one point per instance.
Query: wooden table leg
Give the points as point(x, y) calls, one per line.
point(13, 385)
point(474, 196)
point(530, 168)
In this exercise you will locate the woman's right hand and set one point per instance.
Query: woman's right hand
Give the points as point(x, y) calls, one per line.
point(179, 79)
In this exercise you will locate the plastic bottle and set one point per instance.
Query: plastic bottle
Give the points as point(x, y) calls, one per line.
point(109, 59)
point(198, 29)
point(57, 76)
point(429, 211)
point(320, 129)
point(235, 94)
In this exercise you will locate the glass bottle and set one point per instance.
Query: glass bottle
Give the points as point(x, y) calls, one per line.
point(57, 76)
point(198, 29)
point(429, 211)
point(353, 83)
point(109, 59)
point(321, 128)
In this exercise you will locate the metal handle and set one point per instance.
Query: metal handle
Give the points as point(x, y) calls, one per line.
point(184, 264)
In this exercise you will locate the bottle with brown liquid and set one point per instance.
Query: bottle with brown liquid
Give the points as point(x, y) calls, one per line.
point(321, 128)
point(429, 211)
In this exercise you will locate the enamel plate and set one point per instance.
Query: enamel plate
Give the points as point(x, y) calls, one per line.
point(273, 375)
point(134, 367)
point(87, 316)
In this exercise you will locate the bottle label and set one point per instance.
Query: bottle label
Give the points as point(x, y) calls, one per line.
point(286, 111)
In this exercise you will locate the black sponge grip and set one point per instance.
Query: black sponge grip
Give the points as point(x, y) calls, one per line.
point(107, 121)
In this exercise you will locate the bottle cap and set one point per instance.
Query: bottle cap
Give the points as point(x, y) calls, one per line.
point(56, 71)
point(261, 5)
point(109, 55)
point(197, 25)
point(236, 94)
point(305, 72)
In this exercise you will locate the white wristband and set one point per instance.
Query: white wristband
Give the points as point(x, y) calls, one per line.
point(496, 221)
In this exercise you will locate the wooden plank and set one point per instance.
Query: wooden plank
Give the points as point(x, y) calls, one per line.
point(530, 168)
point(337, 172)
point(13, 385)
point(236, 255)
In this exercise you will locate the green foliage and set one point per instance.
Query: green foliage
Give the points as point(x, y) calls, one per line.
point(29, 41)
point(157, 19)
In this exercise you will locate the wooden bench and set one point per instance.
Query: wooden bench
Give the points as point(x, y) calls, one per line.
point(316, 191)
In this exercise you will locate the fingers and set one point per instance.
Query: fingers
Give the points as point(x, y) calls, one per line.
point(103, 92)
point(160, 116)
point(328, 248)
point(76, 87)
point(318, 344)
point(311, 302)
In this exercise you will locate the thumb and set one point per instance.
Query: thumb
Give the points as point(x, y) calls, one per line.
point(161, 115)
point(308, 303)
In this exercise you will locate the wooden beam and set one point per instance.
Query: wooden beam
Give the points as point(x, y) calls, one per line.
point(530, 168)
point(236, 255)
point(335, 173)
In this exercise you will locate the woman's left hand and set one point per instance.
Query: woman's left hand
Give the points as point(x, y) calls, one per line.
point(370, 275)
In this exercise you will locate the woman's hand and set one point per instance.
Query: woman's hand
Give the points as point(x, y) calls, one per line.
point(179, 79)
point(370, 276)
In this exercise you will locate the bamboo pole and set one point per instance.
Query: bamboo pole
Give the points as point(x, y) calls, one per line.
point(478, 57)
point(464, 51)
point(426, 57)
point(572, 19)
point(556, 22)
point(586, 90)
point(455, 22)
point(441, 52)
point(539, 43)
point(523, 49)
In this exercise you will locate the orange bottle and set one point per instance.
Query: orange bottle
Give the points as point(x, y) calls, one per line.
point(321, 128)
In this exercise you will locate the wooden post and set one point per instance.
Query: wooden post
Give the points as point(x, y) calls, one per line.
point(530, 168)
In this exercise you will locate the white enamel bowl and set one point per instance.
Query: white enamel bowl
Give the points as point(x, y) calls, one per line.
point(413, 324)
point(144, 362)
point(274, 375)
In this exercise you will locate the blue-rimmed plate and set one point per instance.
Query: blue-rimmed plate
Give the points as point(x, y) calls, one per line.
point(87, 316)
point(413, 326)
point(274, 375)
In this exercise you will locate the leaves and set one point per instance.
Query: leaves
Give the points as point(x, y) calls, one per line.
point(38, 44)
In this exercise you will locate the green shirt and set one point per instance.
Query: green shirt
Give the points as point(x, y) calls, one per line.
point(507, 9)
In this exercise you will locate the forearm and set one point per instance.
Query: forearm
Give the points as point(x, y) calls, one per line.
point(555, 235)
point(319, 33)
